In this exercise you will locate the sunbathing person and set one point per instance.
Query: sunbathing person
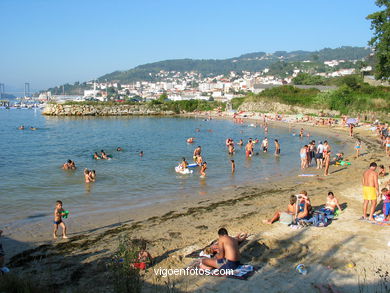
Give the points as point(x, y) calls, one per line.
point(291, 208)
point(213, 249)
point(331, 204)
point(228, 256)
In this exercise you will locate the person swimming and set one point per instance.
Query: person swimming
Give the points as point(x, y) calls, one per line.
point(103, 155)
point(69, 165)
point(141, 153)
point(96, 156)
point(21, 127)
point(119, 149)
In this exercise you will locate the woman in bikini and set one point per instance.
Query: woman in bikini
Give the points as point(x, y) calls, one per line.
point(331, 204)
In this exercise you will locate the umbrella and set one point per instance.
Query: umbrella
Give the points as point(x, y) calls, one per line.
point(351, 121)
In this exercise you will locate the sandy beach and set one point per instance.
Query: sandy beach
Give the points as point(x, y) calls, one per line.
point(348, 253)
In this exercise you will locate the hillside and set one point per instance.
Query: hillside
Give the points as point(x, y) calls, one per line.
point(248, 62)
point(280, 63)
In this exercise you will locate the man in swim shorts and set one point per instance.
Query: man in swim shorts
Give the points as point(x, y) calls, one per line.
point(277, 148)
point(228, 257)
point(370, 190)
point(249, 148)
point(197, 152)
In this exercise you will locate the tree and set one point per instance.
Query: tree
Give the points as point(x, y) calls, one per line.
point(380, 24)
point(163, 97)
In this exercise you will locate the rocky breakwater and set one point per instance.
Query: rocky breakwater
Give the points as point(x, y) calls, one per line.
point(103, 110)
point(275, 107)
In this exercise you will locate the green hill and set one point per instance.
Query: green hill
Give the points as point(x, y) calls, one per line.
point(248, 62)
point(279, 62)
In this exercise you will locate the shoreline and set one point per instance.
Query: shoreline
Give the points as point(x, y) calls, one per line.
point(101, 220)
point(172, 233)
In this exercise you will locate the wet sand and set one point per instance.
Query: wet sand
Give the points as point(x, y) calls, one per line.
point(175, 229)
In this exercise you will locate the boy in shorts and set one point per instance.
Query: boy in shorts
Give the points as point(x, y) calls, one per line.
point(58, 213)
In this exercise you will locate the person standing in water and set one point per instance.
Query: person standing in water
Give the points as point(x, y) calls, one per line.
point(320, 155)
point(249, 148)
point(277, 148)
point(301, 133)
point(303, 157)
point(203, 169)
point(326, 153)
point(264, 145)
point(233, 166)
point(197, 152)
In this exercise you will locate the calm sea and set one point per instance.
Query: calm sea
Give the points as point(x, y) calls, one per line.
point(31, 179)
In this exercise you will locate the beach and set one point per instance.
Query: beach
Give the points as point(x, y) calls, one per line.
point(347, 253)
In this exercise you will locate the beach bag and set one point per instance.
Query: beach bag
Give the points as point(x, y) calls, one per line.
point(286, 218)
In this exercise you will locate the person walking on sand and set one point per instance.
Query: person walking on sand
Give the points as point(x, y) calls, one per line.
point(370, 190)
point(387, 144)
point(58, 213)
point(357, 148)
point(351, 129)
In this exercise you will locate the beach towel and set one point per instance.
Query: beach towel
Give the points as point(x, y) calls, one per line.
point(200, 252)
point(379, 220)
point(243, 272)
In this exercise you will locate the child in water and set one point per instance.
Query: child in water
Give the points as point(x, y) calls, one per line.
point(58, 213)
point(203, 169)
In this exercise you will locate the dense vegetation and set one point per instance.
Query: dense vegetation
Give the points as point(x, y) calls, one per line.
point(352, 96)
point(380, 24)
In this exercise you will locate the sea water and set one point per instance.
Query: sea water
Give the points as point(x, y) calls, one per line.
point(31, 178)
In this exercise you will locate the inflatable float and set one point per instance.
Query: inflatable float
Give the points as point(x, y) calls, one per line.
point(181, 171)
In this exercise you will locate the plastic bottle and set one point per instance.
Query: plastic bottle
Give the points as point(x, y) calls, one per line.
point(301, 269)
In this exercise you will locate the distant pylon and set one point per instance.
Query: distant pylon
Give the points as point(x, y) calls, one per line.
point(1, 90)
point(26, 89)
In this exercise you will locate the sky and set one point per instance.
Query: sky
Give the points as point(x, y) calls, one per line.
point(48, 43)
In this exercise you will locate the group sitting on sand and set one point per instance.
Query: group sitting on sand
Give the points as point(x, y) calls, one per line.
point(300, 209)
